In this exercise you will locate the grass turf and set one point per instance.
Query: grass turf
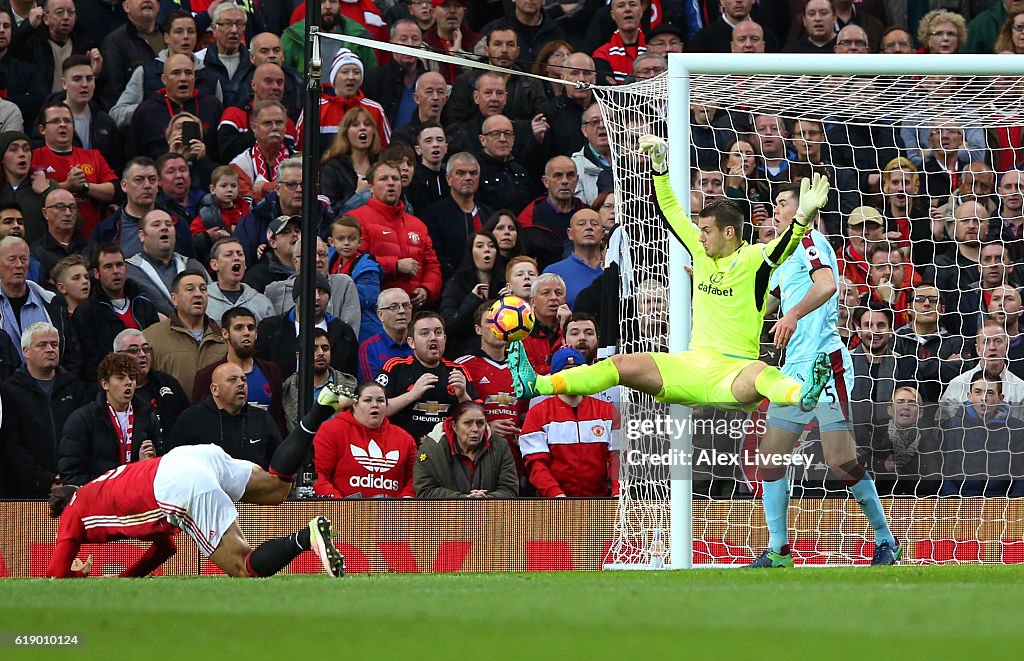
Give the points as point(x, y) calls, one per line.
point(914, 612)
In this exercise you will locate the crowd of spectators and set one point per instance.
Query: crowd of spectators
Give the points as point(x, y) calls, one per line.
point(151, 216)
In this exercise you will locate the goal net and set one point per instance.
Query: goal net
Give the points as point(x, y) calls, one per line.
point(924, 188)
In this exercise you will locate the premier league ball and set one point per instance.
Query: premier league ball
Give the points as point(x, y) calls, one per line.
point(511, 318)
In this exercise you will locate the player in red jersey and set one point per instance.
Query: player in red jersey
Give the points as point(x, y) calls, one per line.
point(194, 488)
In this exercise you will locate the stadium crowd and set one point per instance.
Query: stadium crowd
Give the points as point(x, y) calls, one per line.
point(151, 206)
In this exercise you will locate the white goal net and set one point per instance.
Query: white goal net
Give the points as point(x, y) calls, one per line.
point(926, 220)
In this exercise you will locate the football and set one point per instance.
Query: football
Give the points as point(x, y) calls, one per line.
point(511, 318)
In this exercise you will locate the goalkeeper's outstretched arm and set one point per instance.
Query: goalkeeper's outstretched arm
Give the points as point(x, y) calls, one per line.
point(665, 198)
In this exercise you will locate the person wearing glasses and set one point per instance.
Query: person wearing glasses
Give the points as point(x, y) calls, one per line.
point(114, 305)
point(504, 182)
point(50, 36)
point(257, 165)
point(942, 32)
point(82, 173)
point(62, 237)
point(37, 400)
point(227, 58)
point(593, 160)
point(925, 348)
point(160, 389)
point(394, 308)
point(239, 130)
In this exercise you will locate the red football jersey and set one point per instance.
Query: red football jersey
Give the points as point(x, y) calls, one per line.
point(493, 384)
point(120, 504)
point(96, 170)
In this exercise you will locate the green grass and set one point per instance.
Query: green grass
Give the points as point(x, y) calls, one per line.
point(905, 612)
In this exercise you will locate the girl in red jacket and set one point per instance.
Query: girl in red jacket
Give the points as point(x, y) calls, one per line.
point(359, 453)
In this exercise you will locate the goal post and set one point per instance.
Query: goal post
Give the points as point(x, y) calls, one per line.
point(658, 507)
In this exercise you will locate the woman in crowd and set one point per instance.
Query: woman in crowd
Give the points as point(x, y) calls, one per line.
point(1011, 35)
point(469, 286)
point(505, 229)
point(350, 449)
point(347, 160)
point(941, 32)
point(604, 205)
point(200, 167)
point(741, 174)
point(549, 63)
point(467, 462)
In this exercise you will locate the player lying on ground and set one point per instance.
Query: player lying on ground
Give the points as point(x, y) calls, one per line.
point(806, 287)
point(731, 277)
point(194, 488)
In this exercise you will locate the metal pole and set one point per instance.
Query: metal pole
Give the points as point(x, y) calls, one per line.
point(306, 280)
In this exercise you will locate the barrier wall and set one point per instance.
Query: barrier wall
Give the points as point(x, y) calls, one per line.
point(537, 535)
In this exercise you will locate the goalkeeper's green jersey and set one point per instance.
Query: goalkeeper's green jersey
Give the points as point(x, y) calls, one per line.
point(729, 293)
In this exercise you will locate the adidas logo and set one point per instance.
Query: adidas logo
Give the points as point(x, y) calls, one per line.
point(371, 482)
point(484, 380)
point(373, 459)
point(49, 169)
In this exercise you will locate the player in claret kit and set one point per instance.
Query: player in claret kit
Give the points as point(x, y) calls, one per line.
point(194, 488)
point(721, 368)
point(806, 287)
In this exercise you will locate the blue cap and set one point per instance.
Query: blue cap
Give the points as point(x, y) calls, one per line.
point(566, 357)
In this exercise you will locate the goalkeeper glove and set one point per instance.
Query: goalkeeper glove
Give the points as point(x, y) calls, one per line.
point(657, 150)
point(813, 196)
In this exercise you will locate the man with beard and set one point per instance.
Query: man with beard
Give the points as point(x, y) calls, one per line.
point(160, 389)
point(323, 374)
point(278, 336)
point(116, 304)
point(238, 328)
point(449, 34)
point(293, 41)
point(155, 268)
point(423, 387)
point(524, 96)
point(226, 418)
point(116, 429)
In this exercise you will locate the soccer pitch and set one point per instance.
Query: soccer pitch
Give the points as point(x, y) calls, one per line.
point(913, 612)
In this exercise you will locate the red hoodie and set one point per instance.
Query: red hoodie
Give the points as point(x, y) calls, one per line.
point(351, 458)
point(390, 234)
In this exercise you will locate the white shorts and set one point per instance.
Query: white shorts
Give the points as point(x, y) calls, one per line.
point(197, 487)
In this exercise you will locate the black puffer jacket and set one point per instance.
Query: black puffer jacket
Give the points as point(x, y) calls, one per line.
point(89, 447)
point(251, 434)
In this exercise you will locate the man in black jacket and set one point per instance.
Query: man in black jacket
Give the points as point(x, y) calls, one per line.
point(276, 264)
point(451, 220)
point(225, 418)
point(392, 84)
point(128, 47)
point(37, 400)
point(278, 336)
point(227, 58)
point(115, 429)
point(45, 42)
point(115, 305)
point(18, 80)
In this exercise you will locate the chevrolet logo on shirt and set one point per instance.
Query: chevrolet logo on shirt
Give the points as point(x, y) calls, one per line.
point(501, 398)
point(430, 408)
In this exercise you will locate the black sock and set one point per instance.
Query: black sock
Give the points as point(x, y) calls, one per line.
point(292, 452)
point(274, 555)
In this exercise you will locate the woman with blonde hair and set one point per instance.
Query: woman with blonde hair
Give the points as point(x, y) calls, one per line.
point(348, 159)
point(941, 32)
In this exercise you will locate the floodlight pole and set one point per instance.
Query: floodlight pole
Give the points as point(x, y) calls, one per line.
point(306, 280)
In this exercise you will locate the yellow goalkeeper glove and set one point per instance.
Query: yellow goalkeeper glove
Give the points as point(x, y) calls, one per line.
point(813, 196)
point(657, 150)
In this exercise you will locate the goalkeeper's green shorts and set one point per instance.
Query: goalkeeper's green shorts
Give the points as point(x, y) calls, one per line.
point(701, 378)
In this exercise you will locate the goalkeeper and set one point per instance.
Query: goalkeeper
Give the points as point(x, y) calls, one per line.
point(721, 369)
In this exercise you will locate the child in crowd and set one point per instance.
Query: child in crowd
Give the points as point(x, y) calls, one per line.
point(219, 211)
point(346, 257)
point(71, 277)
